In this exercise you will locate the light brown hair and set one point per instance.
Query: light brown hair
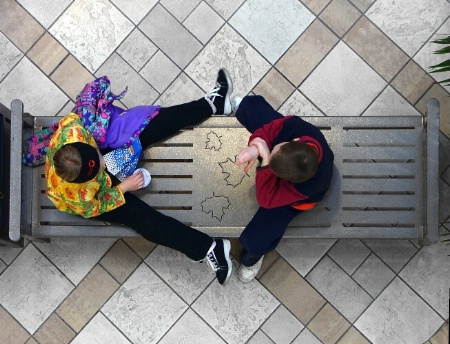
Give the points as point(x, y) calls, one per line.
point(67, 162)
point(295, 161)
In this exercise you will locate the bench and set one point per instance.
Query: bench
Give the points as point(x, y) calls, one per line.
point(385, 184)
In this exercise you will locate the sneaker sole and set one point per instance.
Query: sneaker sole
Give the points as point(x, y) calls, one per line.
point(227, 109)
point(226, 249)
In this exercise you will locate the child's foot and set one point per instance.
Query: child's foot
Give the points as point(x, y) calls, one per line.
point(219, 260)
point(219, 97)
point(247, 273)
point(235, 103)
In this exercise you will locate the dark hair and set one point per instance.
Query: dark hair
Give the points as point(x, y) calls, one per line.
point(295, 161)
point(67, 162)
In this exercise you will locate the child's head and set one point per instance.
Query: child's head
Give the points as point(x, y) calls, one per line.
point(77, 162)
point(294, 161)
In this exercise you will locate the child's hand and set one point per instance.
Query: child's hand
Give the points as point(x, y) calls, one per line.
point(248, 156)
point(132, 183)
point(263, 150)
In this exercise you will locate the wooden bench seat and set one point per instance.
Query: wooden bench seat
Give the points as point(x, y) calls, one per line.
point(385, 183)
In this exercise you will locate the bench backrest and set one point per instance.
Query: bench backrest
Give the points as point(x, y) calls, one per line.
point(384, 186)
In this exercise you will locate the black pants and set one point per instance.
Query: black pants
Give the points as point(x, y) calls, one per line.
point(145, 220)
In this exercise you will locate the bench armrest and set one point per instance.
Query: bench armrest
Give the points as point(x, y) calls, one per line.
point(432, 172)
point(15, 168)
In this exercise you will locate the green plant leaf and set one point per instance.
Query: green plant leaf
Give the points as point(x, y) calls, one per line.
point(445, 40)
point(444, 50)
point(446, 63)
point(446, 69)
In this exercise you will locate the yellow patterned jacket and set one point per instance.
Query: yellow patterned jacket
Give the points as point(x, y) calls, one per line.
point(88, 199)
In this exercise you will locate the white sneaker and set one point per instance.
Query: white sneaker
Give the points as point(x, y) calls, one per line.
point(247, 273)
point(235, 103)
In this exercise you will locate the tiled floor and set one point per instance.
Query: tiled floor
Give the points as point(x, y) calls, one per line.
point(309, 57)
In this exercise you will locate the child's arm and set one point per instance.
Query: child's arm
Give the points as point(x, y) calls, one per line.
point(272, 191)
point(132, 183)
point(248, 155)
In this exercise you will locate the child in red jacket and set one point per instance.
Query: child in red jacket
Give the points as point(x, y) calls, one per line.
point(296, 167)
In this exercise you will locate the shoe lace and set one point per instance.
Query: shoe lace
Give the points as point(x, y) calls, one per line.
point(212, 261)
point(211, 96)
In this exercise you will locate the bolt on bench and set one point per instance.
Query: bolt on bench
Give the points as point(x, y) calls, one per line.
point(385, 183)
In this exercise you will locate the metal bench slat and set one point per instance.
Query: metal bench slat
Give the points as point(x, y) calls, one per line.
point(378, 185)
point(379, 169)
point(393, 153)
point(379, 201)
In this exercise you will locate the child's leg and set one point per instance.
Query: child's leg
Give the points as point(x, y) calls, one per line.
point(159, 228)
point(264, 232)
point(254, 112)
point(172, 119)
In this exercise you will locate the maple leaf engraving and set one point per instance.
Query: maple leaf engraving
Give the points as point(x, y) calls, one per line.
point(215, 206)
point(234, 175)
point(213, 141)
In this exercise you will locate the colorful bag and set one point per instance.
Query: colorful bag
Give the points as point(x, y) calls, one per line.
point(35, 147)
point(122, 162)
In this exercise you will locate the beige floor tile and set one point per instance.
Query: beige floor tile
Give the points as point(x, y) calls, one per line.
point(328, 325)
point(306, 52)
point(18, 25)
point(268, 260)
point(54, 331)
point(441, 337)
point(120, 261)
point(412, 82)
point(316, 6)
point(292, 290)
point(31, 341)
point(363, 5)
point(376, 48)
point(141, 246)
point(340, 15)
point(353, 337)
point(12, 332)
point(275, 88)
point(71, 76)
point(438, 92)
point(47, 53)
point(90, 295)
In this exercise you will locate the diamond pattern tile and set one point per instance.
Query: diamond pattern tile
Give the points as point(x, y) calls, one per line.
point(139, 91)
point(422, 272)
point(282, 326)
point(373, 275)
point(228, 49)
point(251, 302)
point(409, 23)
point(137, 49)
point(425, 57)
point(144, 307)
point(46, 11)
point(8, 53)
point(21, 82)
point(381, 324)
point(271, 27)
point(75, 257)
point(191, 329)
point(187, 278)
point(349, 254)
point(389, 102)
point(339, 289)
point(32, 271)
point(91, 30)
point(343, 84)
point(308, 58)
point(311, 252)
point(182, 46)
point(100, 330)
